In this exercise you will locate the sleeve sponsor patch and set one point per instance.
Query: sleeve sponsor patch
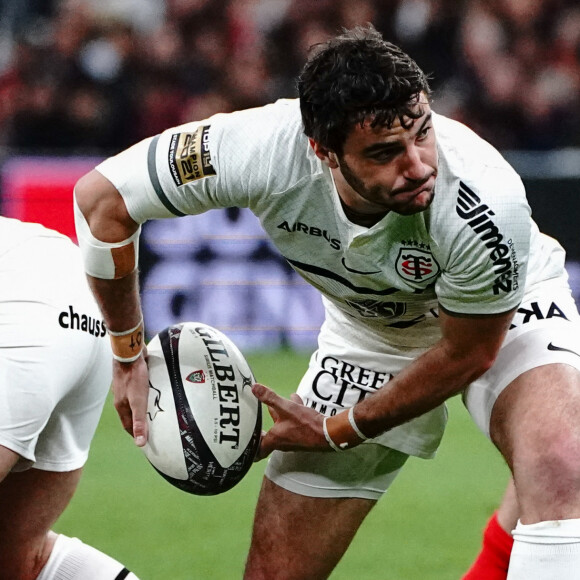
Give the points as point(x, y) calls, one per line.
point(189, 156)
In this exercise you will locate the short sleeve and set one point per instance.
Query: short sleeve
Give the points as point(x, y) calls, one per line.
point(487, 235)
point(228, 160)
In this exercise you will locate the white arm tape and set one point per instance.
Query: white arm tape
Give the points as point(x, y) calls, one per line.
point(103, 259)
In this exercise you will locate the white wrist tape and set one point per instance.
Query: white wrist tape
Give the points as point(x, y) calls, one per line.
point(105, 260)
point(327, 436)
point(353, 424)
point(341, 431)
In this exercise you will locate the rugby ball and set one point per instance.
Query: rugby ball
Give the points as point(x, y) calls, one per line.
point(204, 421)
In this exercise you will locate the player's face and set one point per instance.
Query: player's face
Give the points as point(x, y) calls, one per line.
point(388, 169)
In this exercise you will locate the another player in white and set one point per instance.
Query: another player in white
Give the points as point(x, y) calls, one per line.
point(55, 372)
point(435, 282)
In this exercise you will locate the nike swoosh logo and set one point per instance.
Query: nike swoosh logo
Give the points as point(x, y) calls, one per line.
point(358, 271)
point(561, 348)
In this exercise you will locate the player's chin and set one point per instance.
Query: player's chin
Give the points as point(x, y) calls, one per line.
point(415, 202)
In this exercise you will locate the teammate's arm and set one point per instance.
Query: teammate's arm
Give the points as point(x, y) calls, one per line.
point(468, 348)
point(106, 215)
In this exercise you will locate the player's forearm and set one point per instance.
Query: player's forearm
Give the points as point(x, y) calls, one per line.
point(121, 309)
point(429, 381)
point(118, 300)
point(423, 385)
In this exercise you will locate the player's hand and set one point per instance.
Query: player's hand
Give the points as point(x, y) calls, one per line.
point(296, 427)
point(130, 396)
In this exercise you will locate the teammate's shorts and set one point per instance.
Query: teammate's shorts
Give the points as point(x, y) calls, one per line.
point(545, 330)
point(55, 360)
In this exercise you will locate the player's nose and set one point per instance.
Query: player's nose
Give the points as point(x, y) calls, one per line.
point(413, 167)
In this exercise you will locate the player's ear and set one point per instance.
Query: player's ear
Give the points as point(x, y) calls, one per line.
point(324, 154)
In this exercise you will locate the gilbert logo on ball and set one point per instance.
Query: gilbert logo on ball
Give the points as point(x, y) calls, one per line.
point(204, 423)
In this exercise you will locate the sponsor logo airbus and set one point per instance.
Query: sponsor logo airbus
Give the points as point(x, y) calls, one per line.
point(311, 231)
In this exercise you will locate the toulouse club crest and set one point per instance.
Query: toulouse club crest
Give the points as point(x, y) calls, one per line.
point(416, 265)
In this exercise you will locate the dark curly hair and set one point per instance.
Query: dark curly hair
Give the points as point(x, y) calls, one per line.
point(355, 77)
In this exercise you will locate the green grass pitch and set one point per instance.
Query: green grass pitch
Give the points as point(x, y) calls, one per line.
point(428, 526)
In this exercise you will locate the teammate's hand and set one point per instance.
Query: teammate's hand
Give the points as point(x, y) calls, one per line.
point(130, 395)
point(296, 427)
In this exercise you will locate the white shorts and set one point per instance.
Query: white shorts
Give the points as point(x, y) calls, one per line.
point(545, 330)
point(366, 471)
point(55, 359)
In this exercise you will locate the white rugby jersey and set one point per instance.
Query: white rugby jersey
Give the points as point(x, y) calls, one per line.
point(67, 284)
point(469, 252)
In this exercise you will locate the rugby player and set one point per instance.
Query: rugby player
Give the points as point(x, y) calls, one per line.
point(55, 372)
point(435, 281)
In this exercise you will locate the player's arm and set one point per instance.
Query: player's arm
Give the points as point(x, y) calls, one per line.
point(108, 237)
point(468, 348)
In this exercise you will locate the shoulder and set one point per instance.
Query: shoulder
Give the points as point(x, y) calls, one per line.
point(468, 163)
point(479, 200)
point(265, 147)
point(241, 133)
point(260, 126)
point(282, 110)
point(463, 150)
point(230, 159)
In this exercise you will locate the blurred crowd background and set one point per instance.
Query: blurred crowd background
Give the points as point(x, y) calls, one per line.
point(93, 76)
point(82, 79)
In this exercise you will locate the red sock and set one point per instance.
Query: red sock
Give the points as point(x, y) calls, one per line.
point(493, 561)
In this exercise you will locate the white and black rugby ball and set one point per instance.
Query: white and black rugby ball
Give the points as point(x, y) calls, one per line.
point(204, 421)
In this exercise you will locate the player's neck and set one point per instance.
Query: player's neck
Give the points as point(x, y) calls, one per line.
point(367, 220)
point(350, 202)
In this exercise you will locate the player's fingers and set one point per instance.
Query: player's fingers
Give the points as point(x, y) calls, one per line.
point(273, 414)
point(296, 398)
point(258, 456)
point(124, 411)
point(269, 398)
point(265, 448)
point(139, 416)
point(140, 432)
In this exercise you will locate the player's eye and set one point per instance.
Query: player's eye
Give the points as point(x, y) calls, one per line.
point(424, 133)
point(383, 156)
